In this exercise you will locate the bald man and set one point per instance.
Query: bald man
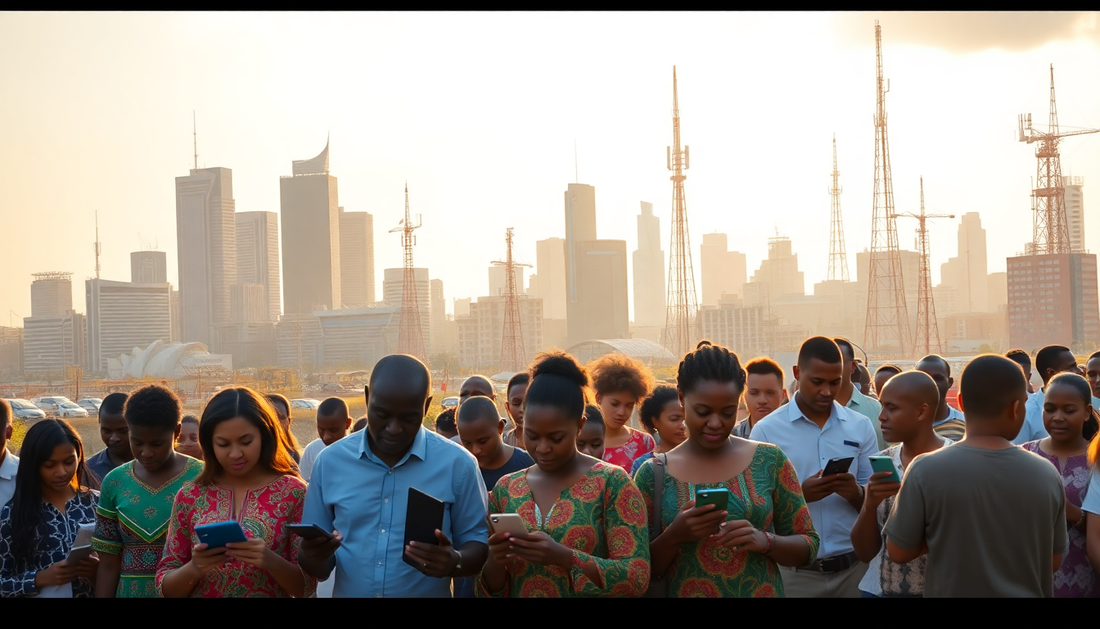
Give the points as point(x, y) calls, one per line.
point(910, 401)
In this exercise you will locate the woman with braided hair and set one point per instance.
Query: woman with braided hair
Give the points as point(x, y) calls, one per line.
point(735, 552)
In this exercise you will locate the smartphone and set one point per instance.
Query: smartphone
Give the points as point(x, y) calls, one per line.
point(82, 545)
point(423, 516)
point(508, 523)
point(719, 497)
point(219, 534)
point(308, 531)
point(885, 464)
point(837, 466)
point(78, 554)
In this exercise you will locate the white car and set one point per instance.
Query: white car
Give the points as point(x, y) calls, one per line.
point(70, 409)
point(90, 404)
point(306, 403)
point(49, 403)
point(24, 410)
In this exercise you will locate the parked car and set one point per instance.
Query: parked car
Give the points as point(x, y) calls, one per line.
point(49, 403)
point(24, 410)
point(449, 402)
point(307, 403)
point(70, 409)
point(90, 404)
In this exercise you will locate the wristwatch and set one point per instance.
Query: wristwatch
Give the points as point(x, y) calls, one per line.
point(458, 564)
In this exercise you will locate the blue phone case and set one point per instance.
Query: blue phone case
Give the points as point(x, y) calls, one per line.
point(219, 534)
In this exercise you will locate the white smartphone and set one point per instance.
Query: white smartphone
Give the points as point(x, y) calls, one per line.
point(82, 545)
point(508, 523)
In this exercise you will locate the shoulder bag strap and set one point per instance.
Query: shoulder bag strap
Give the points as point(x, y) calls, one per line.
point(655, 527)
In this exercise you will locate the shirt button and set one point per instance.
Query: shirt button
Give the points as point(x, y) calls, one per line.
point(390, 472)
point(386, 500)
point(378, 595)
point(383, 530)
point(380, 563)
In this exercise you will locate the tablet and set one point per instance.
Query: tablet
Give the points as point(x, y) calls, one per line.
point(219, 534)
point(422, 517)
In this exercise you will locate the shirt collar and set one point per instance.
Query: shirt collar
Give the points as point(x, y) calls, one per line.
point(857, 398)
point(796, 413)
point(419, 448)
point(10, 465)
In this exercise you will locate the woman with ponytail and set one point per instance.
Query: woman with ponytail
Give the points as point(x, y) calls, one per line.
point(585, 518)
point(732, 552)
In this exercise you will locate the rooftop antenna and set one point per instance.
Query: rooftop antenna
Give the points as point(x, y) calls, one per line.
point(98, 248)
point(195, 136)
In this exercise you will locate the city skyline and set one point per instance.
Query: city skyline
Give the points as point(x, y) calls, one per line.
point(423, 117)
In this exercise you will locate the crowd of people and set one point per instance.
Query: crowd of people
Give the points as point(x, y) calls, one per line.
point(735, 486)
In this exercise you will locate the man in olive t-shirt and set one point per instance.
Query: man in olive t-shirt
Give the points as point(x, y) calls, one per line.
point(990, 515)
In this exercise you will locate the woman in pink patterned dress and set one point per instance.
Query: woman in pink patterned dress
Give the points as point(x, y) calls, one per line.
point(621, 383)
point(251, 478)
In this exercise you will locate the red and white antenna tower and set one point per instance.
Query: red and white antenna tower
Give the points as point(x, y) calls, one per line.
point(927, 337)
point(887, 324)
point(681, 318)
point(512, 354)
point(410, 336)
point(838, 257)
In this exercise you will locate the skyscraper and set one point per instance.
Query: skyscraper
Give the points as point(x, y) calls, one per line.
point(356, 259)
point(258, 257)
point(1075, 212)
point(125, 315)
point(148, 267)
point(310, 224)
point(601, 309)
point(206, 237)
point(393, 284)
point(580, 225)
point(778, 276)
point(53, 336)
point(723, 272)
point(550, 276)
point(967, 273)
point(649, 271)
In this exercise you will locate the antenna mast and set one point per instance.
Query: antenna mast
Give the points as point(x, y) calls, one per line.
point(838, 258)
point(513, 356)
point(927, 338)
point(98, 247)
point(410, 337)
point(680, 331)
point(887, 324)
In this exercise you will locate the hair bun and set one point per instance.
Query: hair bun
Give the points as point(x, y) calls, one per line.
point(703, 344)
point(559, 364)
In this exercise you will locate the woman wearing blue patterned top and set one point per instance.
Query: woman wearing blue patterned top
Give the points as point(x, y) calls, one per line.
point(40, 523)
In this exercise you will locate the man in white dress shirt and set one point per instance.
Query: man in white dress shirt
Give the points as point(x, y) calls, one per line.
point(9, 463)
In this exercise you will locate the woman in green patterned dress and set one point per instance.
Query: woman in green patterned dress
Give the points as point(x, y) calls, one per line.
point(586, 518)
point(136, 497)
point(703, 551)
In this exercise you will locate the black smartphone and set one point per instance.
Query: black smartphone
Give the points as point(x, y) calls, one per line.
point(422, 517)
point(308, 531)
point(837, 466)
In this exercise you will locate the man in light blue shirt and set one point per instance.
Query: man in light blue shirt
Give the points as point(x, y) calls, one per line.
point(849, 396)
point(360, 487)
point(812, 430)
point(1049, 361)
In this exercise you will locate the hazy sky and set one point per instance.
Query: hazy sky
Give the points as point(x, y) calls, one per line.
point(479, 112)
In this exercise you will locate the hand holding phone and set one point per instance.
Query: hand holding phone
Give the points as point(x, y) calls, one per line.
point(309, 531)
point(511, 523)
point(837, 466)
point(694, 523)
point(218, 534)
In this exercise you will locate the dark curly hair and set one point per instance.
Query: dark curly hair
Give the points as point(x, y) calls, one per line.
point(153, 406)
point(446, 421)
point(615, 373)
point(712, 363)
point(557, 380)
point(654, 404)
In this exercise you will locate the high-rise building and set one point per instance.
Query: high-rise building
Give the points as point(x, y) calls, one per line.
point(258, 258)
point(125, 315)
point(249, 303)
point(1075, 212)
point(481, 332)
point(51, 294)
point(778, 276)
point(649, 271)
point(549, 282)
point(356, 258)
point(11, 351)
point(310, 225)
point(1052, 300)
point(601, 308)
point(393, 285)
point(498, 280)
point(439, 318)
point(206, 237)
point(53, 336)
point(967, 272)
point(580, 226)
point(148, 267)
point(723, 272)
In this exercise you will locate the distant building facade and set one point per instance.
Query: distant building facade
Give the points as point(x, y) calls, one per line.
point(124, 315)
point(206, 238)
point(258, 258)
point(148, 267)
point(310, 226)
point(1052, 300)
point(649, 271)
point(356, 259)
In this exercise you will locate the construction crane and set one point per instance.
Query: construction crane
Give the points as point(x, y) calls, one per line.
point(927, 336)
point(512, 355)
point(1051, 232)
point(681, 317)
point(410, 335)
point(887, 325)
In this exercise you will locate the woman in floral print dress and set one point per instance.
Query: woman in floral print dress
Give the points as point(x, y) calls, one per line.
point(586, 518)
point(621, 383)
point(732, 553)
point(250, 477)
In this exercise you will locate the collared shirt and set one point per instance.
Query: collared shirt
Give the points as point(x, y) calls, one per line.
point(8, 468)
point(309, 456)
point(100, 464)
point(1033, 428)
point(870, 408)
point(846, 434)
point(354, 492)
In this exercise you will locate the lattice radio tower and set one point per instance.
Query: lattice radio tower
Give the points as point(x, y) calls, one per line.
point(887, 325)
point(1049, 197)
point(681, 318)
point(512, 354)
point(838, 258)
point(927, 337)
point(410, 336)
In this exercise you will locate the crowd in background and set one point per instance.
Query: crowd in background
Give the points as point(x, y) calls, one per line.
point(736, 485)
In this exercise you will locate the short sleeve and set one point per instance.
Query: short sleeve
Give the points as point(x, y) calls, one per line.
point(498, 497)
point(790, 515)
point(905, 526)
point(108, 534)
point(1091, 503)
point(314, 510)
point(469, 513)
point(868, 448)
point(177, 545)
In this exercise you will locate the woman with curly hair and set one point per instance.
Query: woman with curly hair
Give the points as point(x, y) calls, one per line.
point(621, 383)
